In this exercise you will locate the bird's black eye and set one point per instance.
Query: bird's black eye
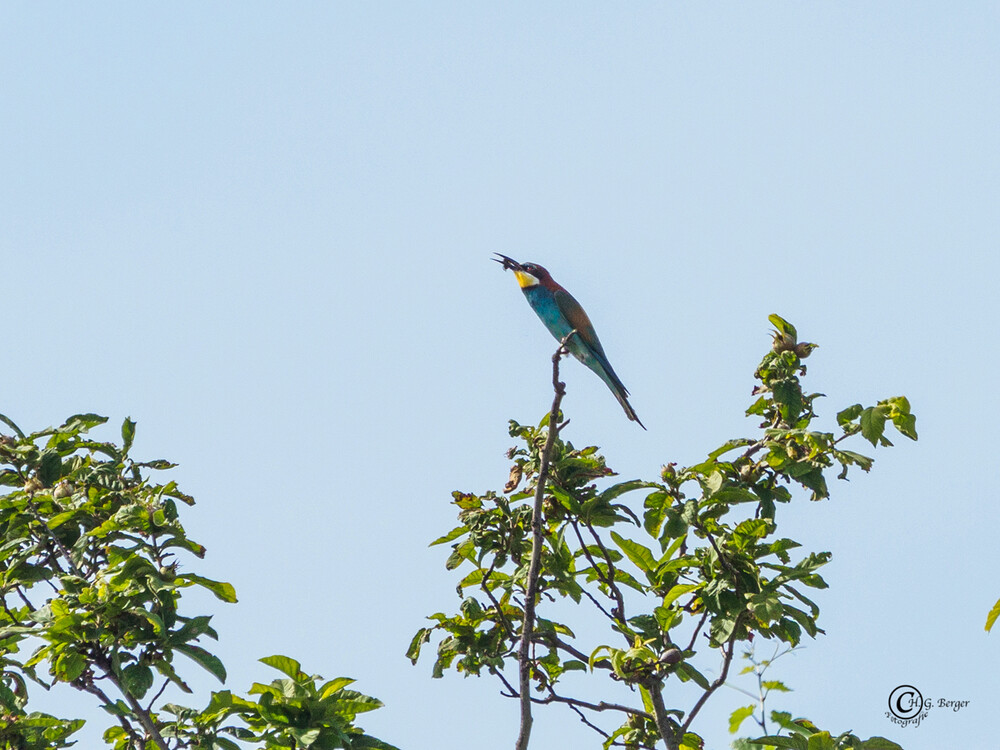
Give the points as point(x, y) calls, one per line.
point(530, 267)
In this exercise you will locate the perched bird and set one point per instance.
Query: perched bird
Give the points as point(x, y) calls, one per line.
point(561, 314)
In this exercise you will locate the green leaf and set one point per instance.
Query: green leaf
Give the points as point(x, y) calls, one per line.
point(678, 590)
point(821, 741)
point(873, 424)
point(795, 741)
point(674, 524)
point(622, 487)
point(167, 670)
point(334, 686)
point(641, 556)
point(137, 679)
point(209, 662)
point(647, 700)
point(83, 422)
point(879, 743)
point(128, 434)
point(902, 418)
point(782, 326)
point(464, 551)
point(775, 685)
point(10, 423)
point(304, 737)
point(788, 396)
point(49, 467)
point(367, 742)
point(849, 414)
point(740, 715)
point(60, 518)
point(222, 590)
point(992, 617)
point(596, 652)
point(160, 464)
point(69, 665)
point(765, 606)
point(455, 533)
point(284, 664)
point(686, 670)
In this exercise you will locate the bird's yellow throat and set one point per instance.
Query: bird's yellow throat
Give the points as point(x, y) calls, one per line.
point(525, 279)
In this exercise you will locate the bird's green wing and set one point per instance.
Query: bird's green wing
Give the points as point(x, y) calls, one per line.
point(578, 319)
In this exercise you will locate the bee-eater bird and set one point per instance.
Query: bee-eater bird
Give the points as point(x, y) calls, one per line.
point(562, 314)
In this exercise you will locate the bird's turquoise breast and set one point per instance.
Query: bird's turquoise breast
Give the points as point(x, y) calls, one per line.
point(543, 302)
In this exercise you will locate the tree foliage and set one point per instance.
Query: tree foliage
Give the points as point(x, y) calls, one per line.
point(93, 565)
point(677, 583)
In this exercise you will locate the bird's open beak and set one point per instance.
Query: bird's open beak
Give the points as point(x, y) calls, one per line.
point(509, 264)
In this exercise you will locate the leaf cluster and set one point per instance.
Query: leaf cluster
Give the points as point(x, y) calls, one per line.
point(297, 711)
point(92, 572)
point(700, 567)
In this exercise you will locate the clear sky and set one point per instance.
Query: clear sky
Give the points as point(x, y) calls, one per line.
point(263, 231)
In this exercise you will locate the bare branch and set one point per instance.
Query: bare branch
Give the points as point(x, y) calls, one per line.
point(90, 687)
point(536, 548)
point(661, 719)
point(697, 631)
point(619, 599)
point(573, 651)
point(158, 694)
point(586, 721)
point(597, 571)
point(719, 681)
point(500, 613)
point(602, 706)
point(101, 660)
point(554, 697)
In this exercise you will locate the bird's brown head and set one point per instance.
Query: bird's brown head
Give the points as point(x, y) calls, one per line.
point(527, 274)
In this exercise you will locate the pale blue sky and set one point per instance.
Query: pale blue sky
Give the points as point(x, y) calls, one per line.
point(263, 230)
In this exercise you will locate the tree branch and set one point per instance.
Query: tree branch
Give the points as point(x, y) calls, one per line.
point(575, 652)
point(587, 721)
point(141, 714)
point(553, 697)
point(619, 599)
point(719, 681)
point(574, 703)
point(90, 687)
point(484, 585)
point(531, 593)
point(697, 631)
point(660, 717)
point(597, 572)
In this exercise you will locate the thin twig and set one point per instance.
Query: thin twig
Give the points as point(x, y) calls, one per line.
point(597, 571)
point(24, 599)
point(619, 599)
point(554, 697)
point(586, 721)
point(500, 614)
point(719, 681)
point(718, 553)
point(574, 651)
point(697, 631)
point(602, 706)
point(158, 694)
point(511, 692)
point(93, 689)
point(62, 547)
point(524, 733)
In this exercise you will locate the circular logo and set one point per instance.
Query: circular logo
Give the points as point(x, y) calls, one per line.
point(905, 702)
